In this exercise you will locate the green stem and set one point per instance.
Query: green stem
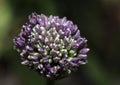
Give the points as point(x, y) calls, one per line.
point(50, 82)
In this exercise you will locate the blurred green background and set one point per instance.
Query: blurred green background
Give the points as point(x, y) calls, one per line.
point(98, 21)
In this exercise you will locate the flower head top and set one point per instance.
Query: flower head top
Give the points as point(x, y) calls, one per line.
point(51, 46)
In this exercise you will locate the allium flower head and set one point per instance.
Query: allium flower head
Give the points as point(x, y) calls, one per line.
point(51, 46)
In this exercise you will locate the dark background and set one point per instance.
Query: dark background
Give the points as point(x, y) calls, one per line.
point(98, 21)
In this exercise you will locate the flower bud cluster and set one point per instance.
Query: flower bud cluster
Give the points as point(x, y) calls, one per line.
point(51, 46)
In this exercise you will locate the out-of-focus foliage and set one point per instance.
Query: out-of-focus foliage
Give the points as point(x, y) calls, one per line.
point(5, 18)
point(98, 21)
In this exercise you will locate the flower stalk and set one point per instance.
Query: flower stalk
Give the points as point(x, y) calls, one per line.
point(50, 82)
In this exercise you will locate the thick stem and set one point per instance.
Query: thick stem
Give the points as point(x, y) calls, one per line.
point(50, 82)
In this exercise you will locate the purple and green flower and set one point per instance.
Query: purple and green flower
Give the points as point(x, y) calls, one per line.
point(52, 46)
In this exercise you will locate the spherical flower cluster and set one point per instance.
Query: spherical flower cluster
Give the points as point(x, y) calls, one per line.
point(52, 46)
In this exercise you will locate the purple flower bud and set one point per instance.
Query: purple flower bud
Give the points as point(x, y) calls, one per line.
point(53, 70)
point(51, 45)
point(75, 60)
point(84, 50)
point(33, 57)
point(25, 62)
point(74, 64)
